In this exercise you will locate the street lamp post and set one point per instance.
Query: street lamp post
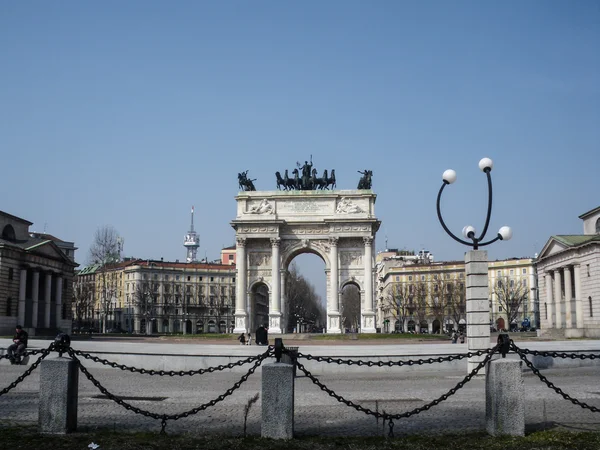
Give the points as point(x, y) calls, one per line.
point(476, 268)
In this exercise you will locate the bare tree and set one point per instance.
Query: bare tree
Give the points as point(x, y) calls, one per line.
point(455, 295)
point(145, 299)
point(105, 251)
point(395, 304)
point(420, 302)
point(83, 300)
point(511, 293)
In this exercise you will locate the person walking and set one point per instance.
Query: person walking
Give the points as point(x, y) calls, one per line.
point(242, 338)
point(454, 337)
point(249, 340)
point(17, 348)
point(462, 337)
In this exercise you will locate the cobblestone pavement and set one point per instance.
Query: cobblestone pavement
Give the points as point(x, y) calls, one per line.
point(316, 412)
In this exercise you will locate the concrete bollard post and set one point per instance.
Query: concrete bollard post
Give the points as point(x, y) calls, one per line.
point(504, 398)
point(59, 379)
point(277, 401)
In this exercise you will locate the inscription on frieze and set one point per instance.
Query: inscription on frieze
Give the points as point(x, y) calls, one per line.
point(304, 207)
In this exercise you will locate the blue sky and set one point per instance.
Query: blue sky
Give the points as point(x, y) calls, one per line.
point(127, 113)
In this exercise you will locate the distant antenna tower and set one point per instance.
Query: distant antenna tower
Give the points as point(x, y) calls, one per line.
point(120, 243)
point(191, 242)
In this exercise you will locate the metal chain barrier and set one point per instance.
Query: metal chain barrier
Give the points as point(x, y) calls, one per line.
point(162, 373)
point(27, 353)
point(29, 371)
point(165, 417)
point(523, 352)
point(412, 362)
point(554, 354)
point(392, 417)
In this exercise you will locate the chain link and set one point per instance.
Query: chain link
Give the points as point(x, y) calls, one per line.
point(27, 353)
point(170, 373)
point(165, 417)
point(412, 362)
point(29, 371)
point(523, 352)
point(387, 416)
point(554, 354)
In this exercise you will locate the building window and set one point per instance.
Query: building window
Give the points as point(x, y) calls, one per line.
point(10, 273)
point(524, 272)
point(410, 278)
point(435, 277)
point(177, 277)
point(499, 273)
point(546, 311)
point(233, 280)
point(167, 277)
point(512, 272)
point(155, 277)
point(500, 308)
point(230, 257)
point(591, 309)
point(145, 276)
point(189, 278)
point(212, 278)
point(8, 307)
point(422, 277)
point(524, 282)
point(397, 278)
point(199, 278)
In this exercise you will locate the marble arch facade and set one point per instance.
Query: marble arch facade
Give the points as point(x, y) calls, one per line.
point(273, 227)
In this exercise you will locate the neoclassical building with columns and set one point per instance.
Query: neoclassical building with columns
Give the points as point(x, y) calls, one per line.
point(569, 282)
point(36, 278)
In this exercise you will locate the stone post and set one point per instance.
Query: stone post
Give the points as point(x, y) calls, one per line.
point(504, 398)
point(275, 300)
point(277, 401)
point(333, 306)
point(58, 395)
point(22, 296)
point(241, 316)
point(478, 307)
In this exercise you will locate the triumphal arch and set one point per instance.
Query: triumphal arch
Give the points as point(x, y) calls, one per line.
point(273, 227)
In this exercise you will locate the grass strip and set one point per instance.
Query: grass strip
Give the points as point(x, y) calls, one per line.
point(26, 438)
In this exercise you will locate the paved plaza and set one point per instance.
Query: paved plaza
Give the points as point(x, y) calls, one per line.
point(316, 413)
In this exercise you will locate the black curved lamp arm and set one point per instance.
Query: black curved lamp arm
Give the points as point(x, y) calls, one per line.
point(489, 208)
point(439, 213)
point(481, 244)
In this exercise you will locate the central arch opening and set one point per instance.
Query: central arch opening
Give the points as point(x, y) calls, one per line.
point(350, 308)
point(305, 294)
point(260, 306)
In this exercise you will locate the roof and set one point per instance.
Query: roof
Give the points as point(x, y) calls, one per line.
point(34, 243)
point(182, 265)
point(574, 240)
point(89, 269)
point(10, 216)
point(589, 213)
point(231, 247)
point(46, 236)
